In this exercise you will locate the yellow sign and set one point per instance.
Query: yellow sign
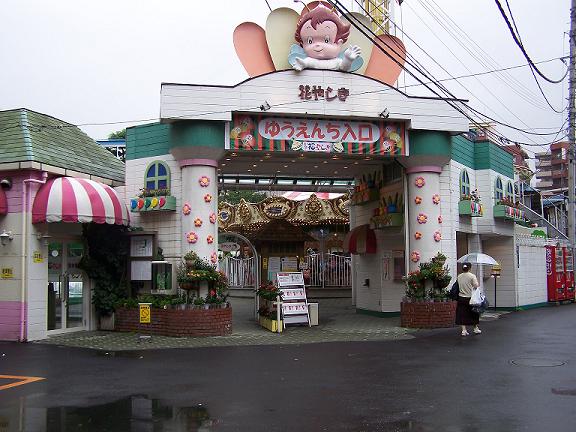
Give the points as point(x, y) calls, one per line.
point(37, 257)
point(7, 273)
point(496, 269)
point(144, 313)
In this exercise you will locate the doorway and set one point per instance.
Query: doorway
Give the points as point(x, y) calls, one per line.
point(67, 290)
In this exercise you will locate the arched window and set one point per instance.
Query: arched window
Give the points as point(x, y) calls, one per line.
point(157, 176)
point(464, 184)
point(498, 189)
point(510, 191)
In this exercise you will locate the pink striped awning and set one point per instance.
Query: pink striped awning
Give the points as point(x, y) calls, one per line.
point(3, 202)
point(361, 240)
point(67, 199)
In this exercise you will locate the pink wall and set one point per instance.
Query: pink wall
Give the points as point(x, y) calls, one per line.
point(10, 320)
point(14, 195)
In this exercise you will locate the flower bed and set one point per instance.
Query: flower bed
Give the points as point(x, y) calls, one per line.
point(427, 314)
point(470, 208)
point(176, 322)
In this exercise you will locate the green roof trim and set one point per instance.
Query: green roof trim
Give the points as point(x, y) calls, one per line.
point(429, 143)
point(488, 155)
point(463, 151)
point(198, 133)
point(29, 136)
point(147, 141)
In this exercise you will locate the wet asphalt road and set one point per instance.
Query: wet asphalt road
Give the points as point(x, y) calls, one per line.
point(519, 375)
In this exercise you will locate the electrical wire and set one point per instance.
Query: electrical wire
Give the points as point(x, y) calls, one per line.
point(498, 100)
point(532, 69)
point(378, 43)
point(477, 52)
point(519, 44)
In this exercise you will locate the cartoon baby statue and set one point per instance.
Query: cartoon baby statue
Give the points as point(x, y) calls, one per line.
point(321, 34)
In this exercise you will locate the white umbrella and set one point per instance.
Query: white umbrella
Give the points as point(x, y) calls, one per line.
point(477, 258)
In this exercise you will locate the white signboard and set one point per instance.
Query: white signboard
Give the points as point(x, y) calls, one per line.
point(273, 264)
point(289, 279)
point(141, 270)
point(228, 247)
point(289, 264)
point(141, 246)
point(294, 303)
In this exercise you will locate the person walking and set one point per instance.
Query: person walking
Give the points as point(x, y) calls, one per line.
point(467, 282)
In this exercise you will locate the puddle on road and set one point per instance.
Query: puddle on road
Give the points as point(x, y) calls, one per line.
point(132, 414)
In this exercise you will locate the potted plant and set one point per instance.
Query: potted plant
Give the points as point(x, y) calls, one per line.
point(426, 304)
point(198, 302)
point(268, 293)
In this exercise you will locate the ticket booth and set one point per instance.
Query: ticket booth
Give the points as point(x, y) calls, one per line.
point(569, 273)
point(555, 273)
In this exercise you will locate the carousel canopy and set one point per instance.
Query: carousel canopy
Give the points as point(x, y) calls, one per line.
point(67, 199)
point(361, 240)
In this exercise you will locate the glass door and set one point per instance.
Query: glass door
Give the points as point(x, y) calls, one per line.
point(66, 293)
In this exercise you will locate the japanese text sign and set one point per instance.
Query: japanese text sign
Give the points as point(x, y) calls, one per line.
point(314, 135)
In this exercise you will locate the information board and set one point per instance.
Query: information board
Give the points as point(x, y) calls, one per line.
point(294, 303)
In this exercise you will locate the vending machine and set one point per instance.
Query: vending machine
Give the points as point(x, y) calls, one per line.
point(555, 273)
point(569, 274)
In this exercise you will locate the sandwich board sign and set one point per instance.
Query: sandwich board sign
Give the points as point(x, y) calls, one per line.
point(294, 303)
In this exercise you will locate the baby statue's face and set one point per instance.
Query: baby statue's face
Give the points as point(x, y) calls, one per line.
point(320, 43)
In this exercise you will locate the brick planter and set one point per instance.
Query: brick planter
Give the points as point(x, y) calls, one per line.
point(176, 322)
point(427, 314)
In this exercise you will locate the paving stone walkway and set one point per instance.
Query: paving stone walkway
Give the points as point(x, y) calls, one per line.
point(338, 322)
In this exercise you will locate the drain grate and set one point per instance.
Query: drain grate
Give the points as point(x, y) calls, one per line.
point(537, 362)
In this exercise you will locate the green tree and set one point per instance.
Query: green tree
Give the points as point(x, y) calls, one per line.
point(234, 196)
point(121, 134)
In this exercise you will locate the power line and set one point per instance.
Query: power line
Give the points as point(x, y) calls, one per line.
point(483, 57)
point(519, 43)
point(498, 100)
point(531, 69)
point(378, 43)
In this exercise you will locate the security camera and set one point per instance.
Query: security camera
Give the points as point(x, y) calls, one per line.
point(6, 183)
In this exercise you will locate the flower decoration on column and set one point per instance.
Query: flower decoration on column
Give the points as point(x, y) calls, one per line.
point(417, 235)
point(186, 209)
point(213, 218)
point(204, 181)
point(418, 200)
point(214, 258)
point(207, 198)
point(440, 219)
point(422, 218)
point(192, 237)
point(415, 256)
point(437, 236)
point(210, 239)
point(197, 222)
point(419, 182)
point(436, 199)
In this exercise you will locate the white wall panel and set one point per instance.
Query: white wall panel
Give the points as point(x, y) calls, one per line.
point(281, 90)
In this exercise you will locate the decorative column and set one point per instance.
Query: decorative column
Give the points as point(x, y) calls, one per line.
point(424, 215)
point(200, 208)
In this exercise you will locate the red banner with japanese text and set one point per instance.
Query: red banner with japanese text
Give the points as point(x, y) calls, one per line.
point(264, 133)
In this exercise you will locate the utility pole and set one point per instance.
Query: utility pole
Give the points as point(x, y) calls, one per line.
point(571, 130)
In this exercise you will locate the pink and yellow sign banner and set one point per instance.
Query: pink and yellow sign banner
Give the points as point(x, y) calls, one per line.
point(264, 133)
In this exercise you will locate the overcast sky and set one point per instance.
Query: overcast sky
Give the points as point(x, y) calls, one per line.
point(89, 62)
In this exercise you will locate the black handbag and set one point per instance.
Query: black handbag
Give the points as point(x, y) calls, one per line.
point(454, 291)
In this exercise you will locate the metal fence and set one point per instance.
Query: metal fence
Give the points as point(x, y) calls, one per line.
point(328, 270)
point(241, 272)
point(323, 270)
